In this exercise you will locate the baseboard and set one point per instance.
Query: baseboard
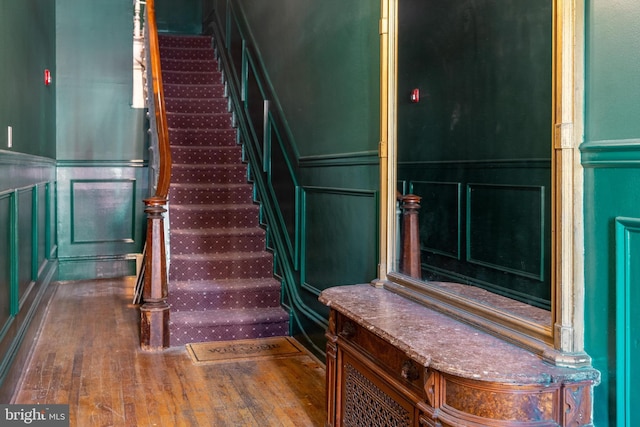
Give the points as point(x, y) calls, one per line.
point(105, 267)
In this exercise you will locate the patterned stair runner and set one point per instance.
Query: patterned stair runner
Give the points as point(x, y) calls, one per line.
point(221, 284)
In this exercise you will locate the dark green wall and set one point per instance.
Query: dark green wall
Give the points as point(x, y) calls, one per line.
point(179, 16)
point(27, 48)
point(335, 45)
point(27, 177)
point(611, 157)
point(101, 148)
point(94, 83)
point(312, 69)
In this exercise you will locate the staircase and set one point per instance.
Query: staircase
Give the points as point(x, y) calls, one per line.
point(221, 284)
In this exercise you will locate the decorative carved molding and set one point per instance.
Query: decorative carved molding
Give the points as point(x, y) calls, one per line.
point(430, 389)
point(577, 406)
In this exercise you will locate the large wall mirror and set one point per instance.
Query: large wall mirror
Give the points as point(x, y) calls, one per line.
point(480, 122)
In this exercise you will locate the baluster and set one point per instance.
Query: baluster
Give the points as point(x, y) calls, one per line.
point(154, 325)
point(410, 256)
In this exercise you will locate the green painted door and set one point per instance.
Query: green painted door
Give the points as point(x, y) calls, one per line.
point(476, 145)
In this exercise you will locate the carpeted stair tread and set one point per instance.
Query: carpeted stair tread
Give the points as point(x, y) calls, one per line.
point(226, 325)
point(225, 284)
point(184, 154)
point(201, 137)
point(223, 174)
point(185, 53)
point(217, 240)
point(225, 256)
point(199, 121)
point(207, 216)
point(241, 208)
point(209, 194)
point(231, 316)
point(197, 65)
point(184, 40)
point(226, 231)
point(196, 106)
point(231, 265)
point(193, 91)
point(191, 77)
point(199, 295)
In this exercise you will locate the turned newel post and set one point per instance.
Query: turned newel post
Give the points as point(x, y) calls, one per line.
point(410, 257)
point(154, 325)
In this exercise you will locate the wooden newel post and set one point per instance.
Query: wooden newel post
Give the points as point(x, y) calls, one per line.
point(154, 324)
point(410, 259)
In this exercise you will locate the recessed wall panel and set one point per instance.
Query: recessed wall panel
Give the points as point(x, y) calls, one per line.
point(255, 104)
point(102, 211)
point(338, 231)
point(505, 228)
point(42, 201)
point(5, 258)
point(25, 222)
point(627, 320)
point(439, 216)
point(283, 184)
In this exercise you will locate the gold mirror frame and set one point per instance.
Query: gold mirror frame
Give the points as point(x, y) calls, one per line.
point(561, 342)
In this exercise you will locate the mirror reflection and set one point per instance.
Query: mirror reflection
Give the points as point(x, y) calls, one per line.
point(475, 119)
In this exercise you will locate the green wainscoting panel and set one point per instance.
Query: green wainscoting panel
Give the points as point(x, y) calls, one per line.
point(41, 250)
point(611, 259)
point(508, 240)
point(101, 219)
point(26, 245)
point(283, 183)
point(485, 223)
point(25, 222)
point(337, 226)
point(6, 260)
point(440, 222)
point(254, 101)
point(627, 320)
point(103, 210)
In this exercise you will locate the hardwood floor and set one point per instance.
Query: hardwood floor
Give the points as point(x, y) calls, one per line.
point(88, 356)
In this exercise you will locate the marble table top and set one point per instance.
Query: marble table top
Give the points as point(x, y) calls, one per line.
point(436, 340)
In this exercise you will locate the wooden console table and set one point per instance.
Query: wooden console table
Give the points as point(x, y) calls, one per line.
point(394, 362)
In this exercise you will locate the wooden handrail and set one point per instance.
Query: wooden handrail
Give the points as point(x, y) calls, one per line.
point(164, 152)
point(154, 312)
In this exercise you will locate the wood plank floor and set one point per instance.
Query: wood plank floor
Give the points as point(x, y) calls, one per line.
point(88, 356)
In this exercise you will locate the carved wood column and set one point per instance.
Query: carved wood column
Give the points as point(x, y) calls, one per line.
point(331, 370)
point(410, 256)
point(154, 324)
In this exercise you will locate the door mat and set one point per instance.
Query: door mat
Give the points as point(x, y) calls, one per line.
point(243, 350)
